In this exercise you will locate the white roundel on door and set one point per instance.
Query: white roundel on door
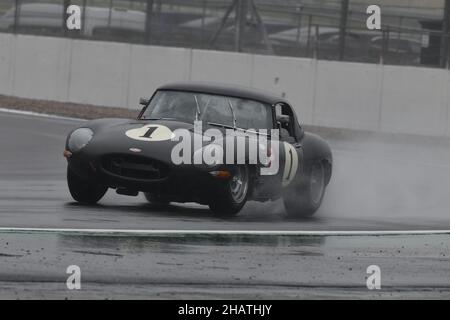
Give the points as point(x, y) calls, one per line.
point(151, 132)
point(290, 165)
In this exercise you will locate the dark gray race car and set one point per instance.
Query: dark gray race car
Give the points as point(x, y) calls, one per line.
point(196, 142)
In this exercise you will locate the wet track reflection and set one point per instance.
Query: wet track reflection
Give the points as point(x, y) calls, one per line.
point(193, 266)
point(378, 184)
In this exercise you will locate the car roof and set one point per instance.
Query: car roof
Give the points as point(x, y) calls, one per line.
point(225, 90)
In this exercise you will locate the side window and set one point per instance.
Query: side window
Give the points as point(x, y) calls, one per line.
point(287, 131)
point(278, 110)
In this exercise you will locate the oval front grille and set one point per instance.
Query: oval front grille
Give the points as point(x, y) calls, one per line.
point(135, 167)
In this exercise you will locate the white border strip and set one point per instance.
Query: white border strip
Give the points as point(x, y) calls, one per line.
point(37, 114)
point(221, 232)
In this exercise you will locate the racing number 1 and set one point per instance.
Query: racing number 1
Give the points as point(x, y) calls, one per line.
point(290, 165)
point(149, 132)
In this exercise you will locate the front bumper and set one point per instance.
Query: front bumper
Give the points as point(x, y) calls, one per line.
point(181, 183)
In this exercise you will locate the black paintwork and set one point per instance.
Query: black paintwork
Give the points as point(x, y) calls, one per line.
point(185, 182)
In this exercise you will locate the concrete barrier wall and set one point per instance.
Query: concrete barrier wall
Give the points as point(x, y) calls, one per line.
point(151, 67)
point(291, 78)
point(7, 46)
point(414, 100)
point(41, 67)
point(99, 74)
point(347, 95)
point(217, 66)
point(326, 93)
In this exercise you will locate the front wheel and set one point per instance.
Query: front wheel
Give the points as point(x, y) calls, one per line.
point(233, 194)
point(306, 200)
point(84, 191)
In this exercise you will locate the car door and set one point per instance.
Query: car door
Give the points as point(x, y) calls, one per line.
point(290, 148)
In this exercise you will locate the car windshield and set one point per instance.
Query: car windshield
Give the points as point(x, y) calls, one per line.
point(212, 109)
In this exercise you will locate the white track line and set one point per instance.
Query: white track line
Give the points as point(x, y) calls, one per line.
point(37, 114)
point(221, 232)
point(199, 232)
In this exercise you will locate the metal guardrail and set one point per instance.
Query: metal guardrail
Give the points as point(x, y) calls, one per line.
point(333, 30)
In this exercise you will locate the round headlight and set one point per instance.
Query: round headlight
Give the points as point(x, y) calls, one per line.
point(79, 139)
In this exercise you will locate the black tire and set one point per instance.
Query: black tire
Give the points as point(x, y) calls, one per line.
point(84, 191)
point(306, 200)
point(156, 199)
point(232, 194)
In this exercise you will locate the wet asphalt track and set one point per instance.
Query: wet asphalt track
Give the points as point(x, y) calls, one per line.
point(368, 191)
point(377, 185)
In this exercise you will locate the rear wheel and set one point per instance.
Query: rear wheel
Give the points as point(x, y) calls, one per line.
point(306, 200)
point(84, 191)
point(233, 194)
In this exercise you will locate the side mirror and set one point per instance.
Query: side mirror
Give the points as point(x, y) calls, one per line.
point(144, 101)
point(283, 119)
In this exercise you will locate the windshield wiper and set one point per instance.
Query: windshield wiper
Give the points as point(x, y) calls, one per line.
point(162, 118)
point(252, 131)
point(198, 108)
point(232, 112)
point(214, 124)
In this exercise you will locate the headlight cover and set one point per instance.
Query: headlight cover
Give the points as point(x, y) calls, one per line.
point(79, 139)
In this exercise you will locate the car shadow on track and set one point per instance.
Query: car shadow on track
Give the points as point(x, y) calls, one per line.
point(145, 209)
point(252, 212)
